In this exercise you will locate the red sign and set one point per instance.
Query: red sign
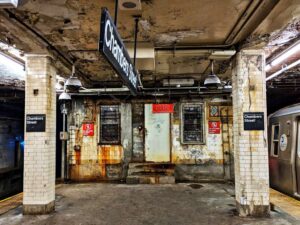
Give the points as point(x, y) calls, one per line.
point(214, 127)
point(88, 129)
point(162, 108)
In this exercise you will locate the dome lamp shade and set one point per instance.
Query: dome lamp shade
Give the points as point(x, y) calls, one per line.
point(212, 81)
point(73, 84)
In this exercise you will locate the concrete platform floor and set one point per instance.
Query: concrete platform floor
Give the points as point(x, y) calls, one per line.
point(121, 204)
point(285, 203)
point(10, 203)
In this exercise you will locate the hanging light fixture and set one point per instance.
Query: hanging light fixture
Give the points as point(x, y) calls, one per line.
point(212, 81)
point(73, 84)
point(64, 97)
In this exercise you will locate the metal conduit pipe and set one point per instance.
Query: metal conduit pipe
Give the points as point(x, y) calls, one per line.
point(151, 91)
point(173, 88)
point(160, 94)
point(157, 89)
point(186, 93)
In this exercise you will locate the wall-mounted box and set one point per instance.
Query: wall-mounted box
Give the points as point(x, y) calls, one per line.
point(64, 136)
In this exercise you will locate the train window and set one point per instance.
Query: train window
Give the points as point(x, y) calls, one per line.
point(275, 140)
point(110, 126)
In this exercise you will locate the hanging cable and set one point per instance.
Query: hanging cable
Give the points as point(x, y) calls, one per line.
point(135, 48)
point(73, 70)
point(135, 37)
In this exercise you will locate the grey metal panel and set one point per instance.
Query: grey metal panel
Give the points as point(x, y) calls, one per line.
point(286, 128)
point(293, 109)
point(297, 159)
point(282, 168)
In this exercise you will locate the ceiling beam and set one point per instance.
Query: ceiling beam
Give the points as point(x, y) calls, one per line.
point(254, 14)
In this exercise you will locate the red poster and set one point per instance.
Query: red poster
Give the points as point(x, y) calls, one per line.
point(88, 129)
point(162, 108)
point(214, 127)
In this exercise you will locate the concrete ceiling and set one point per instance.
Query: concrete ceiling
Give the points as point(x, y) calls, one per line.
point(74, 24)
point(70, 29)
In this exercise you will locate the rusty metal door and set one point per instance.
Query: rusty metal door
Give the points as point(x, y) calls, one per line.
point(157, 136)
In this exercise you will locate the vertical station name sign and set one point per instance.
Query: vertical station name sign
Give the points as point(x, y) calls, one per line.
point(254, 121)
point(112, 47)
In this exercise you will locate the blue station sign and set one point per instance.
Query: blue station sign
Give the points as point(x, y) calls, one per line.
point(113, 49)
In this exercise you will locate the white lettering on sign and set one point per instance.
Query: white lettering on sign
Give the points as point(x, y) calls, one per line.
point(247, 116)
point(31, 122)
point(247, 120)
point(118, 53)
point(34, 118)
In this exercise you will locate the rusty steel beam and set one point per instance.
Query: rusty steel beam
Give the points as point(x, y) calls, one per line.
point(254, 14)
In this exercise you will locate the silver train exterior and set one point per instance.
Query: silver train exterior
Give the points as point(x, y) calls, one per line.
point(284, 150)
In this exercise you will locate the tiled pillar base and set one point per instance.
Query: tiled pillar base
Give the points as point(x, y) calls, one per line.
point(38, 209)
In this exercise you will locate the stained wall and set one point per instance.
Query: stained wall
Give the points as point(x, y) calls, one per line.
point(89, 160)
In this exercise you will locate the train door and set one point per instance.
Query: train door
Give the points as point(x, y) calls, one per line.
point(298, 159)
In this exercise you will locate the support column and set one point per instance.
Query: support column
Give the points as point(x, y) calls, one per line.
point(39, 155)
point(250, 146)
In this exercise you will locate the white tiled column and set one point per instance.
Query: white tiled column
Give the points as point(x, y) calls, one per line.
point(250, 147)
point(39, 155)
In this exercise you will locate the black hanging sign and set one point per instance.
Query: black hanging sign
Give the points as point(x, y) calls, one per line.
point(254, 121)
point(35, 123)
point(112, 47)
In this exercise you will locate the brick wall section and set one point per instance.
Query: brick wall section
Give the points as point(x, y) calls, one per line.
point(39, 158)
point(250, 147)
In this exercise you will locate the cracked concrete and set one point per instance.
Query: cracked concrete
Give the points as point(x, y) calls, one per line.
point(143, 204)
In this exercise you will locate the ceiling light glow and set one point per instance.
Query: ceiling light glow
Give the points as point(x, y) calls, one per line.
point(268, 67)
point(282, 70)
point(291, 51)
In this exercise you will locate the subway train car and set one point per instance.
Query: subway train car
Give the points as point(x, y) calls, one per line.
point(284, 150)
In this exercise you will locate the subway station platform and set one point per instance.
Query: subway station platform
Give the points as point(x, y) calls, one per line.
point(184, 203)
point(149, 92)
point(285, 203)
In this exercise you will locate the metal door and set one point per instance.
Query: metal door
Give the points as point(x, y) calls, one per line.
point(297, 164)
point(157, 136)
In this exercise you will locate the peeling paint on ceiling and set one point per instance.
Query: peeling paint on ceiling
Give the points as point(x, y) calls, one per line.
point(72, 26)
